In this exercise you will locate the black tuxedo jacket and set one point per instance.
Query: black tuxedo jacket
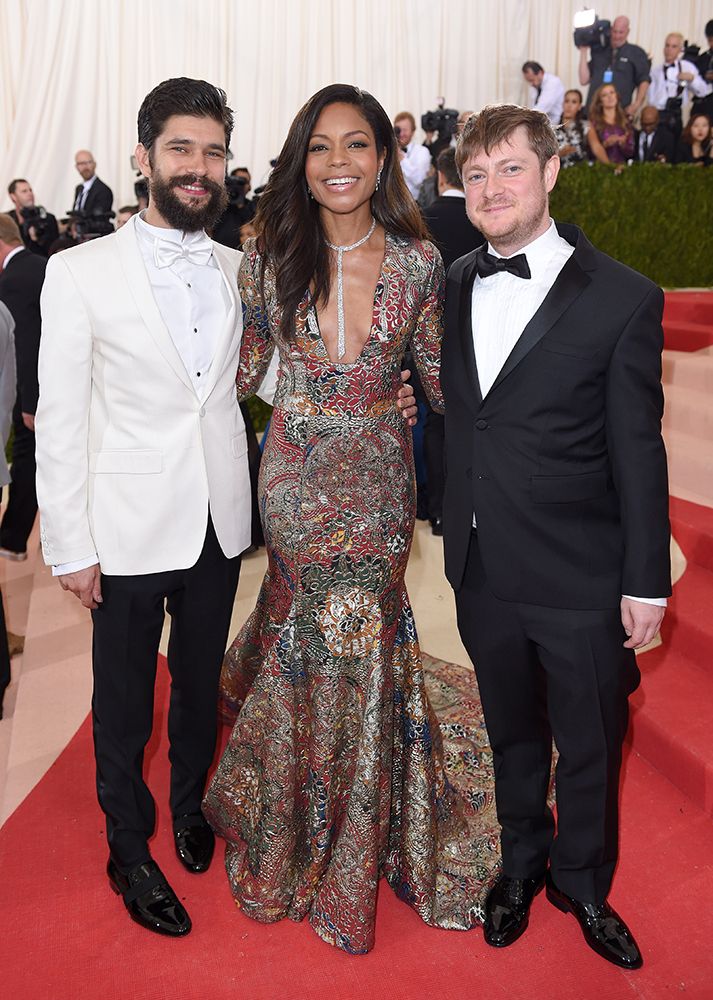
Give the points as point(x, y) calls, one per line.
point(562, 462)
point(38, 246)
point(20, 286)
point(99, 199)
point(662, 144)
point(451, 229)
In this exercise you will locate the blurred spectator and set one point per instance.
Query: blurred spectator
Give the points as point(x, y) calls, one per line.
point(124, 214)
point(415, 159)
point(654, 142)
point(610, 135)
point(546, 91)
point(39, 236)
point(454, 236)
point(20, 286)
point(239, 210)
point(572, 131)
point(92, 195)
point(460, 125)
point(695, 145)
point(7, 399)
point(626, 66)
point(704, 62)
point(674, 83)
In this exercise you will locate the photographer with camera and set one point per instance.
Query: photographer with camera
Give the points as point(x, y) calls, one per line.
point(239, 212)
point(674, 84)
point(605, 56)
point(415, 159)
point(38, 227)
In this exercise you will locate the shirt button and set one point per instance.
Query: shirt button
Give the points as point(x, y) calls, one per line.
point(481, 424)
point(198, 374)
point(201, 412)
point(188, 284)
point(195, 329)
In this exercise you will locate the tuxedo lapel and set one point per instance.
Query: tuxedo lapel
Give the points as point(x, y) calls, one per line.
point(140, 287)
point(229, 340)
point(570, 283)
point(465, 329)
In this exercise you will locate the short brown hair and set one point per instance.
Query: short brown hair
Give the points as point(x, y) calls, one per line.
point(9, 233)
point(408, 116)
point(13, 184)
point(496, 123)
point(446, 165)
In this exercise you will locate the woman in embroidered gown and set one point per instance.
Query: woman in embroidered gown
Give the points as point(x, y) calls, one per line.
point(334, 772)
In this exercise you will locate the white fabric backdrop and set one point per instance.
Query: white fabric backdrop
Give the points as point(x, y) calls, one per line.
point(73, 72)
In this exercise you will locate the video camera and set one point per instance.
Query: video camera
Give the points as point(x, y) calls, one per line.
point(88, 225)
point(235, 186)
point(442, 120)
point(590, 31)
point(34, 217)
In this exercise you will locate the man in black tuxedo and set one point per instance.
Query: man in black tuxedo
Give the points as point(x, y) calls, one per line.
point(92, 196)
point(21, 281)
point(555, 507)
point(653, 143)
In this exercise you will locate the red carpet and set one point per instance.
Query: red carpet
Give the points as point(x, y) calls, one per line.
point(688, 323)
point(65, 936)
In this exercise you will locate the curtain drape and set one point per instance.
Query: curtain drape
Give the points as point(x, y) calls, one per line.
point(73, 72)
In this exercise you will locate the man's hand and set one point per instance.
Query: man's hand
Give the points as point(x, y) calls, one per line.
point(406, 401)
point(28, 420)
point(84, 584)
point(641, 622)
point(686, 77)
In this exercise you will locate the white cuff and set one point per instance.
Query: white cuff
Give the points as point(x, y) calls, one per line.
point(660, 602)
point(74, 567)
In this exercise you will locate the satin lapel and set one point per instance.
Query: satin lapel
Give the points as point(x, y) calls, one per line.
point(570, 283)
point(229, 340)
point(465, 329)
point(140, 287)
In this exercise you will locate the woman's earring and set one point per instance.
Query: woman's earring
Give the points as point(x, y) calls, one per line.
point(378, 179)
point(309, 191)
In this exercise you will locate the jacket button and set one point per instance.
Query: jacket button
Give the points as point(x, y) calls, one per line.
point(481, 424)
point(201, 412)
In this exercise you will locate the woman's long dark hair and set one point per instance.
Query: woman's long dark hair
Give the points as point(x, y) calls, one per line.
point(596, 112)
point(291, 239)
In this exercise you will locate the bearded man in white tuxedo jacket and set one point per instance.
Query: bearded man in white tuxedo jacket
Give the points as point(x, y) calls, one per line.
point(143, 479)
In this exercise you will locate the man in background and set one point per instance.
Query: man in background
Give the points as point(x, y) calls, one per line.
point(546, 91)
point(415, 159)
point(675, 83)
point(92, 196)
point(653, 143)
point(626, 66)
point(20, 286)
point(38, 227)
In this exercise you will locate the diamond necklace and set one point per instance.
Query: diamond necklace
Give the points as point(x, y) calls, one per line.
point(341, 345)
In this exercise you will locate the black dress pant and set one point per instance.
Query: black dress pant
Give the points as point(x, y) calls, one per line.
point(127, 631)
point(545, 672)
point(21, 507)
point(433, 453)
point(4, 656)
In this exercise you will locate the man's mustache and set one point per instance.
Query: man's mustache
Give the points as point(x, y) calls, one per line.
point(186, 179)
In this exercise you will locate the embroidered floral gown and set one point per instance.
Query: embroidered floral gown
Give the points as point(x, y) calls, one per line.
point(334, 772)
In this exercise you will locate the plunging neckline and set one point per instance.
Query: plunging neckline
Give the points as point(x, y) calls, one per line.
point(313, 318)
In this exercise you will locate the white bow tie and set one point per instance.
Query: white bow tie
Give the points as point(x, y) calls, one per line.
point(197, 249)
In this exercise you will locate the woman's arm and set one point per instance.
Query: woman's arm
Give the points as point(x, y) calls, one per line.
point(428, 332)
point(257, 346)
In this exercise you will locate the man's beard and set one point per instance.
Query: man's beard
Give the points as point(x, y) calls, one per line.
point(522, 230)
point(186, 217)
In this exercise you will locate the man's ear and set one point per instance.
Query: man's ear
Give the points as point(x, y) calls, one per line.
point(143, 158)
point(552, 169)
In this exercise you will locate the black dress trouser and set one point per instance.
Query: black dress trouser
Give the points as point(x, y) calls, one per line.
point(545, 672)
point(21, 507)
point(127, 631)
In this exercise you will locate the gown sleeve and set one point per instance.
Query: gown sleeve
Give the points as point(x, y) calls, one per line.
point(428, 331)
point(257, 345)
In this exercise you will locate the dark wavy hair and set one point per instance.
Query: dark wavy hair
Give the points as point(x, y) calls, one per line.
point(182, 96)
point(291, 238)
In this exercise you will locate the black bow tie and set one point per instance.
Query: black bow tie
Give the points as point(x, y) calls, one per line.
point(488, 263)
point(669, 66)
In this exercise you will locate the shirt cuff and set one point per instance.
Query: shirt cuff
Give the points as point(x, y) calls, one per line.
point(660, 602)
point(61, 569)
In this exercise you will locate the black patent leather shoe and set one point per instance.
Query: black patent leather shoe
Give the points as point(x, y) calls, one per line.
point(195, 843)
point(604, 930)
point(437, 526)
point(507, 909)
point(149, 898)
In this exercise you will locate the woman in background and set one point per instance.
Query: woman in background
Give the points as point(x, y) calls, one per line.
point(610, 136)
point(696, 145)
point(572, 131)
point(334, 772)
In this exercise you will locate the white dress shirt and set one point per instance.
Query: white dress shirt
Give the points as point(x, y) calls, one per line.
point(503, 304)
point(82, 196)
point(415, 166)
point(550, 99)
point(665, 84)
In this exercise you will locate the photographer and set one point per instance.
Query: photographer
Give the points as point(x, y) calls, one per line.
point(674, 84)
point(616, 61)
point(704, 61)
point(239, 212)
point(38, 227)
point(415, 159)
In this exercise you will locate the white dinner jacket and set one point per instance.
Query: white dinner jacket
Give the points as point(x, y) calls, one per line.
point(128, 457)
